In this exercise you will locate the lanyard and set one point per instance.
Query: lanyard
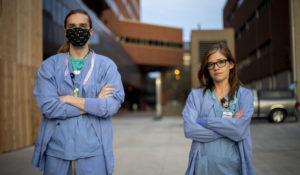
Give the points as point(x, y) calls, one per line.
point(234, 99)
point(90, 70)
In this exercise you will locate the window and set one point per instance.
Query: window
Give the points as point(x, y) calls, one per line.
point(157, 43)
point(244, 63)
point(253, 55)
point(240, 2)
point(230, 16)
point(265, 48)
point(276, 94)
point(204, 46)
point(47, 5)
point(263, 6)
point(251, 19)
point(243, 29)
point(60, 18)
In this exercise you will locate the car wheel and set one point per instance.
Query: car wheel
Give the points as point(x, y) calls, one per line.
point(277, 115)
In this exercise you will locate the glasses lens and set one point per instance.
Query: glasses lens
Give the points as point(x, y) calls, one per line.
point(210, 65)
point(221, 63)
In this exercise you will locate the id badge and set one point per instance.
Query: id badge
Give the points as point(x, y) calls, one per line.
point(227, 114)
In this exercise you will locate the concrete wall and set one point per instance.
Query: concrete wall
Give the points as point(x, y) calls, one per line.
point(210, 36)
point(20, 58)
point(295, 39)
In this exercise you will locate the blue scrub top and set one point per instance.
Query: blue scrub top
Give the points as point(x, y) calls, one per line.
point(220, 156)
point(75, 137)
point(54, 80)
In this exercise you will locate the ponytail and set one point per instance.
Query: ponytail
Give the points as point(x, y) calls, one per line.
point(64, 48)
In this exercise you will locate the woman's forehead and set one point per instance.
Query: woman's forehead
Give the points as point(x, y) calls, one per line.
point(216, 56)
point(77, 18)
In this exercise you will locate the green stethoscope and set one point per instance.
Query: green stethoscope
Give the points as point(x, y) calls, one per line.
point(234, 99)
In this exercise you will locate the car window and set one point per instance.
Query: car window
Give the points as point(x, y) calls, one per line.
point(276, 94)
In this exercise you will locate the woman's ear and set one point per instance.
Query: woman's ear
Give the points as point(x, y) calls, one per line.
point(231, 65)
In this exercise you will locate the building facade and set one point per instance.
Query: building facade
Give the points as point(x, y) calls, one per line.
point(152, 47)
point(295, 41)
point(262, 41)
point(21, 51)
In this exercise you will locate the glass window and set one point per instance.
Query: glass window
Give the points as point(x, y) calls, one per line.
point(263, 6)
point(53, 10)
point(276, 94)
point(240, 2)
point(59, 13)
point(251, 19)
point(47, 5)
point(65, 11)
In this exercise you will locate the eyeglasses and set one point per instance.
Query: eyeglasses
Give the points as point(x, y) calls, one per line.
point(220, 64)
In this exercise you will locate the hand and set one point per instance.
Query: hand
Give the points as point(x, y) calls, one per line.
point(238, 114)
point(70, 100)
point(106, 91)
point(82, 112)
point(64, 98)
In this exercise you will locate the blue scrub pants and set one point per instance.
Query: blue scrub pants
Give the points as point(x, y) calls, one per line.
point(85, 166)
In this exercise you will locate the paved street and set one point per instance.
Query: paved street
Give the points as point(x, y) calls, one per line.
point(276, 147)
point(158, 147)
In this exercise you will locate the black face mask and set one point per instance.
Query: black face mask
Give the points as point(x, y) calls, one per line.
point(78, 36)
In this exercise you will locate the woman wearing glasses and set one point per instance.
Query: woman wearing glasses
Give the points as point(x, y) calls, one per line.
point(217, 117)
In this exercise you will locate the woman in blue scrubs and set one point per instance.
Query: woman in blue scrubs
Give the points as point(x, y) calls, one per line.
point(217, 118)
point(77, 92)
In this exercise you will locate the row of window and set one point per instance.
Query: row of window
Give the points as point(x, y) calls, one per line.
point(150, 42)
point(236, 6)
point(253, 17)
point(256, 54)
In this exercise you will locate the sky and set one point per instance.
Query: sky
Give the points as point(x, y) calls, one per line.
point(186, 14)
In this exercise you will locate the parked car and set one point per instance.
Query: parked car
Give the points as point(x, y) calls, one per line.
point(275, 105)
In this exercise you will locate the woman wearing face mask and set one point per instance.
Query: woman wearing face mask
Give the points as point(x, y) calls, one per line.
point(77, 92)
point(217, 117)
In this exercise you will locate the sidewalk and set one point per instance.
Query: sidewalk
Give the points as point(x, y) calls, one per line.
point(142, 145)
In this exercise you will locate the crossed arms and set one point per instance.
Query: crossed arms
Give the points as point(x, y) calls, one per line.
point(51, 105)
point(210, 129)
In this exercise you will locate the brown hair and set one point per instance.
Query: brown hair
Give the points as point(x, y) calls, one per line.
point(204, 76)
point(66, 46)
